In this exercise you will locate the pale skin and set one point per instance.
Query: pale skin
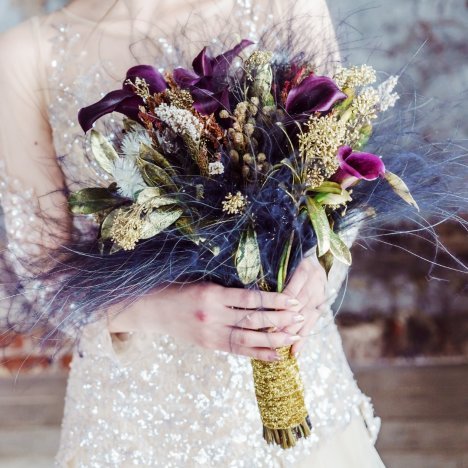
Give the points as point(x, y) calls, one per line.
point(248, 323)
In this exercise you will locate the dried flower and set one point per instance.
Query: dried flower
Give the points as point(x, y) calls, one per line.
point(364, 105)
point(181, 121)
point(216, 168)
point(131, 143)
point(256, 61)
point(126, 229)
point(355, 76)
point(387, 98)
point(319, 145)
point(180, 98)
point(127, 176)
point(234, 204)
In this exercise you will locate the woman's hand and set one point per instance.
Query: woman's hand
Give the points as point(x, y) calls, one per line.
point(215, 317)
point(308, 285)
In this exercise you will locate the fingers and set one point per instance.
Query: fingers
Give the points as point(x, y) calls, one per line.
point(257, 339)
point(262, 354)
point(250, 299)
point(257, 319)
point(306, 330)
point(298, 279)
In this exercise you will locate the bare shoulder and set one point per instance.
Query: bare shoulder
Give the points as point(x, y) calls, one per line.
point(18, 45)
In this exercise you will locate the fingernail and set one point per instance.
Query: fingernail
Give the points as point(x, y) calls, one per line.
point(277, 357)
point(298, 318)
point(296, 354)
point(292, 302)
point(293, 339)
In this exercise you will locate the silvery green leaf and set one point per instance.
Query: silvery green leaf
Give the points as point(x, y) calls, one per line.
point(91, 200)
point(320, 224)
point(247, 258)
point(147, 152)
point(400, 188)
point(103, 151)
point(339, 249)
point(158, 220)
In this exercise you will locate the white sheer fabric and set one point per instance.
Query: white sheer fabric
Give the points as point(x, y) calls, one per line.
point(151, 400)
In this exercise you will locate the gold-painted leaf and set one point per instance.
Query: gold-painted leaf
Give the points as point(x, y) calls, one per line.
point(320, 224)
point(108, 222)
point(339, 249)
point(326, 261)
point(151, 196)
point(155, 176)
point(147, 152)
point(92, 200)
point(158, 220)
point(103, 151)
point(400, 188)
point(247, 259)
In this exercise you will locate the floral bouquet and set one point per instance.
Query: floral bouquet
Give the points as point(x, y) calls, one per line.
point(231, 172)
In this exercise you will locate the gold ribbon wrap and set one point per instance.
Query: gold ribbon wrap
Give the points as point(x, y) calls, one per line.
point(280, 397)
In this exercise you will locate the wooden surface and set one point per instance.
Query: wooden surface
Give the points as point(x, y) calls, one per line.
point(424, 411)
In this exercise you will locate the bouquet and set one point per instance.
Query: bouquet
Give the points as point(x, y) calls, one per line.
point(231, 172)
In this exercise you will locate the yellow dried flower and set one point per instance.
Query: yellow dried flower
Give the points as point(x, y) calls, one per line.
point(319, 145)
point(180, 98)
point(126, 229)
point(234, 204)
point(355, 76)
point(257, 60)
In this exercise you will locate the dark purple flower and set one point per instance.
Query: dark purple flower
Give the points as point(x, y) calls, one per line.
point(208, 82)
point(356, 166)
point(313, 94)
point(123, 100)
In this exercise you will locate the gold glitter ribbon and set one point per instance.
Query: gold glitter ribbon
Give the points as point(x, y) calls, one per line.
point(280, 398)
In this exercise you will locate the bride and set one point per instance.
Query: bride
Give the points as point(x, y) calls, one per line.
point(167, 382)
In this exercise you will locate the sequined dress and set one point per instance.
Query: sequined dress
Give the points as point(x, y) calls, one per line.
point(151, 400)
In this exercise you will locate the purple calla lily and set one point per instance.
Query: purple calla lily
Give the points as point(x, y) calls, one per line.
point(313, 94)
point(124, 100)
point(208, 82)
point(357, 166)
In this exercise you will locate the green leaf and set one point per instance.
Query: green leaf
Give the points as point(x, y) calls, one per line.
point(103, 151)
point(91, 200)
point(147, 152)
point(327, 187)
point(333, 198)
point(284, 263)
point(400, 188)
point(154, 175)
point(326, 261)
point(320, 224)
point(339, 249)
point(158, 220)
point(247, 259)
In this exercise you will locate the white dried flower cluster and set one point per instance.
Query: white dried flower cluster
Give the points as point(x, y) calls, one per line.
point(181, 121)
point(354, 77)
point(131, 142)
point(216, 168)
point(234, 204)
point(127, 176)
point(387, 98)
point(365, 105)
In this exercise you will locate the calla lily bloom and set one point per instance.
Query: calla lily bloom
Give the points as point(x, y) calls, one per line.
point(124, 100)
point(313, 94)
point(208, 82)
point(357, 166)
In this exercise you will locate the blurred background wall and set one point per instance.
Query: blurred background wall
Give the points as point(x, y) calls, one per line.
point(404, 323)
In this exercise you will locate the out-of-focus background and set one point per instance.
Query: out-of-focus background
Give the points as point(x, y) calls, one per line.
point(403, 324)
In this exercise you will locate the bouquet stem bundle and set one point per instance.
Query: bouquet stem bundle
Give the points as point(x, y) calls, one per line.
point(280, 397)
